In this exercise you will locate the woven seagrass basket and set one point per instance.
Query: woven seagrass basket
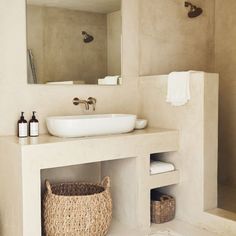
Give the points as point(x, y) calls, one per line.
point(77, 209)
point(162, 208)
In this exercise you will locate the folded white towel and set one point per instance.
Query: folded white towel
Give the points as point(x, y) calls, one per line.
point(114, 78)
point(109, 80)
point(61, 82)
point(178, 92)
point(158, 167)
point(104, 82)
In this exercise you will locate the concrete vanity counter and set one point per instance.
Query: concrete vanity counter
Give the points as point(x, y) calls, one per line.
point(52, 151)
point(124, 157)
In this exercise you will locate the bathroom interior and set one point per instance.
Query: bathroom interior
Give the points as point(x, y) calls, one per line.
point(108, 60)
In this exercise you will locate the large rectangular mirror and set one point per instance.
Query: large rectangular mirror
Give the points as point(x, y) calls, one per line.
point(74, 41)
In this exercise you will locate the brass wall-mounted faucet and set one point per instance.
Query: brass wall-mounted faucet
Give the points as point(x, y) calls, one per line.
point(90, 101)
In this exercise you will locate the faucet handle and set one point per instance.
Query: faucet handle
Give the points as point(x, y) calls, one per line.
point(76, 101)
point(92, 101)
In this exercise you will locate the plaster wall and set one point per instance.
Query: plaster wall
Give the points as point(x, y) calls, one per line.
point(114, 32)
point(225, 49)
point(171, 41)
point(190, 120)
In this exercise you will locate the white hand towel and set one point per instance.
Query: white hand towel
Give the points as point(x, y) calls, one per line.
point(178, 92)
point(158, 167)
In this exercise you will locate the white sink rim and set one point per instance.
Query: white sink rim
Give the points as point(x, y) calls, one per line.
point(90, 125)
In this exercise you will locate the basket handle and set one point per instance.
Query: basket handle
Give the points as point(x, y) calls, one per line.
point(106, 182)
point(48, 186)
point(165, 197)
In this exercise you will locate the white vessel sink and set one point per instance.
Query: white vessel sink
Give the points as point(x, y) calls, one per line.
point(90, 125)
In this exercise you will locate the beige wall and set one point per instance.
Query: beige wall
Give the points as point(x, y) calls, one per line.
point(225, 65)
point(171, 41)
point(54, 35)
point(114, 43)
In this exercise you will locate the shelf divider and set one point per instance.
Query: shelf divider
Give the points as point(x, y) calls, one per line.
point(164, 179)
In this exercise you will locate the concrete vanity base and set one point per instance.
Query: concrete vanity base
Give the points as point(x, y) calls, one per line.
point(124, 157)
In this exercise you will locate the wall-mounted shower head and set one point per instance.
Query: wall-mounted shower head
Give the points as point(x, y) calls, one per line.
point(87, 37)
point(194, 11)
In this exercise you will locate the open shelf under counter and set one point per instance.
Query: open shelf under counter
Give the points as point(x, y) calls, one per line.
point(164, 179)
point(124, 157)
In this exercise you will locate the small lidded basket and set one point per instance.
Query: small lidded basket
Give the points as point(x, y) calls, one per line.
point(162, 207)
point(83, 209)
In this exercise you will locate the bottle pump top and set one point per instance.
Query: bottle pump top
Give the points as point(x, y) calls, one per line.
point(22, 118)
point(34, 117)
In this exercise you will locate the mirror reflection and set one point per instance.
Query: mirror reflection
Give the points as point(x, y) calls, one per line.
point(74, 41)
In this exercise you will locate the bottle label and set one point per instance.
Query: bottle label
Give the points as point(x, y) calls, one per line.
point(34, 129)
point(23, 130)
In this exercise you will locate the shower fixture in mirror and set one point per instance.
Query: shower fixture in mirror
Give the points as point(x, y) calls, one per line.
point(74, 42)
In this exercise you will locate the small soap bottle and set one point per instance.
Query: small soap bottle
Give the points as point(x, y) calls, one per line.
point(22, 127)
point(33, 126)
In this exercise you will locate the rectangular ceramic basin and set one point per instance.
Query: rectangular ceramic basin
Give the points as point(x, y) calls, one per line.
point(90, 125)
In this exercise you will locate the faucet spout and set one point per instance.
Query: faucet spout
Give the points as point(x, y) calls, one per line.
point(85, 104)
point(92, 101)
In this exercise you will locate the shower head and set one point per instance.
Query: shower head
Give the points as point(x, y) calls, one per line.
point(87, 37)
point(194, 11)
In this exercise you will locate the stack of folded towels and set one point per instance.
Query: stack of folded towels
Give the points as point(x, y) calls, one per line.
point(158, 167)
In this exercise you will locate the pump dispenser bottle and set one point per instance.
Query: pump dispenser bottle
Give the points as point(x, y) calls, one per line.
point(22, 127)
point(34, 126)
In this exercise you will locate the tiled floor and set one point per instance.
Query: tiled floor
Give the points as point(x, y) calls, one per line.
point(173, 228)
point(227, 198)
